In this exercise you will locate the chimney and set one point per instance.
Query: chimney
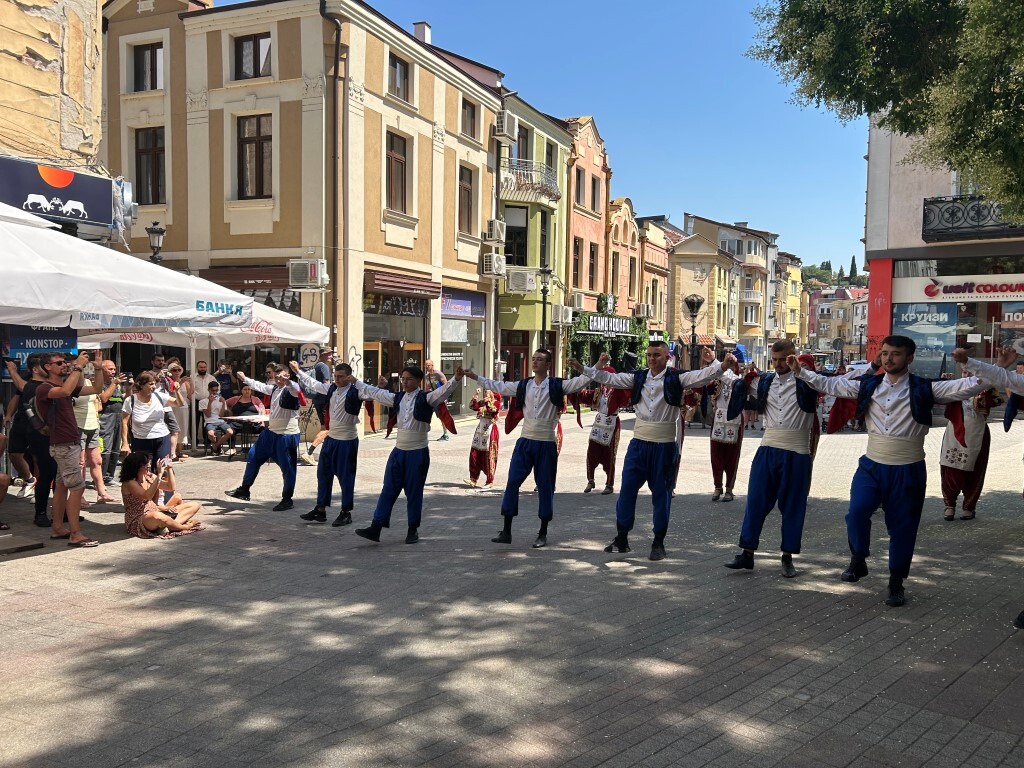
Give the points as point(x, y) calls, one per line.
point(421, 30)
point(741, 224)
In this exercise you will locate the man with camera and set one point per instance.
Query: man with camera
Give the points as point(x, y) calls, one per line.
point(119, 385)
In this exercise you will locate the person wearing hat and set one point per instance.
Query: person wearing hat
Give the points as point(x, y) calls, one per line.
point(727, 427)
point(604, 435)
point(781, 468)
point(963, 458)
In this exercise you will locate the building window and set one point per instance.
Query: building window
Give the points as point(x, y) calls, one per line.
point(632, 276)
point(255, 157)
point(581, 187)
point(615, 233)
point(394, 172)
point(544, 263)
point(595, 194)
point(522, 146)
point(750, 312)
point(748, 282)
point(654, 301)
point(577, 245)
point(792, 317)
point(614, 287)
point(469, 119)
point(149, 166)
point(252, 56)
point(465, 201)
point(549, 154)
point(149, 67)
point(398, 78)
point(592, 267)
point(516, 236)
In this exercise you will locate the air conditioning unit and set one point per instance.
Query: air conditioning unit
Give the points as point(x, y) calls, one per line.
point(506, 127)
point(643, 310)
point(521, 281)
point(307, 273)
point(567, 314)
point(577, 300)
point(495, 232)
point(493, 265)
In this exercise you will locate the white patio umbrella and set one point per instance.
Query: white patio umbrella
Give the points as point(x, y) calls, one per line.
point(55, 280)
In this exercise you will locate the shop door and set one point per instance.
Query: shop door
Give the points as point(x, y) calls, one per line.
point(371, 372)
point(519, 360)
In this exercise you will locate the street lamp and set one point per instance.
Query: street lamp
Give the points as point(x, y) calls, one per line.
point(545, 285)
point(156, 241)
point(693, 304)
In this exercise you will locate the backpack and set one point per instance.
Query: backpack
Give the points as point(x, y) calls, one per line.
point(35, 421)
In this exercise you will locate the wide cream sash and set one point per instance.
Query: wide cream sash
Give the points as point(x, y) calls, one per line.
point(411, 440)
point(343, 431)
point(284, 426)
point(796, 440)
point(539, 429)
point(895, 450)
point(654, 431)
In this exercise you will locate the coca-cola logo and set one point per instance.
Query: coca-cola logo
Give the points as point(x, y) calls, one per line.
point(145, 338)
point(263, 330)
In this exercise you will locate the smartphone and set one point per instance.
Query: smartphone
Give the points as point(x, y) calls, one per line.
point(165, 461)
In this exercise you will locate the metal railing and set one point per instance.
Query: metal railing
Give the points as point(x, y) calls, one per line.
point(964, 217)
point(529, 176)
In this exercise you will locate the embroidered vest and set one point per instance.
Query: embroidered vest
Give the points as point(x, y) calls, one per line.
point(806, 397)
point(737, 399)
point(421, 411)
point(921, 398)
point(673, 387)
point(352, 401)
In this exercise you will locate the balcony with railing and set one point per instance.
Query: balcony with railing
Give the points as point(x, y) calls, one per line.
point(964, 217)
point(750, 296)
point(529, 181)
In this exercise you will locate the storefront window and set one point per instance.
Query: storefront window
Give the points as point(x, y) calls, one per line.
point(462, 340)
point(933, 327)
point(968, 265)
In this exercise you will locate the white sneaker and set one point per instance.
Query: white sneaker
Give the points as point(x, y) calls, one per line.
point(308, 459)
point(27, 487)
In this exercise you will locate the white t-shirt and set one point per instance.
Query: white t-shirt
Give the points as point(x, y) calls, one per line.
point(147, 419)
point(216, 407)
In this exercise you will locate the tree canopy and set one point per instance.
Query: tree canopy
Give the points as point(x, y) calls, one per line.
point(949, 72)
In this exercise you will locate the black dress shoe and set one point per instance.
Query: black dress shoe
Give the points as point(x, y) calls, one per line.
point(619, 544)
point(412, 536)
point(238, 493)
point(345, 518)
point(285, 504)
point(896, 597)
point(372, 533)
point(503, 537)
point(42, 521)
point(540, 541)
point(315, 516)
point(657, 551)
point(856, 570)
point(742, 561)
point(1019, 621)
point(787, 567)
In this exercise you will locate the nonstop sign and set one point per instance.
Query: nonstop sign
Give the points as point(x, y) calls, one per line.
point(57, 193)
point(958, 288)
point(28, 339)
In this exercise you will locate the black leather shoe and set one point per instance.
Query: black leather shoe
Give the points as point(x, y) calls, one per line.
point(238, 493)
point(412, 536)
point(1019, 621)
point(787, 567)
point(855, 571)
point(314, 516)
point(372, 533)
point(896, 597)
point(619, 544)
point(285, 504)
point(345, 518)
point(540, 541)
point(657, 551)
point(742, 561)
point(503, 537)
point(42, 521)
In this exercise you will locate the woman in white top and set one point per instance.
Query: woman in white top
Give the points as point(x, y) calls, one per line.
point(88, 418)
point(143, 425)
point(183, 393)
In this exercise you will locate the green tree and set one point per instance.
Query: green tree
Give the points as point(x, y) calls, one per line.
point(842, 275)
point(816, 273)
point(853, 268)
point(944, 71)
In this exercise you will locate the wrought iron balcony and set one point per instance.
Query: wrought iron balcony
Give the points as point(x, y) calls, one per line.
point(964, 217)
point(750, 296)
point(529, 181)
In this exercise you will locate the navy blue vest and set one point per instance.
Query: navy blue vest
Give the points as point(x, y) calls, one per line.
point(352, 401)
point(806, 397)
point(421, 410)
point(673, 387)
point(921, 398)
point(288, 400)
point(737, 399)
point(555, 391)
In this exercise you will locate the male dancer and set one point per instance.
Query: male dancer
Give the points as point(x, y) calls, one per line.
point(540, 400)
point(653, 453)
point(1012, 382)
point(782, 465)
point(280, 441)
point(411, 409)
point(340, 453)
point(604, 435)
point(897, 409)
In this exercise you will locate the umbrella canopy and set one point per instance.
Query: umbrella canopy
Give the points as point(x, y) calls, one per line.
point(55, 280)
point(268, 326)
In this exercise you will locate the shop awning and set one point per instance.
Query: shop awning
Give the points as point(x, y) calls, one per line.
point(725, 341)
point(400, 285)
point(703, 340)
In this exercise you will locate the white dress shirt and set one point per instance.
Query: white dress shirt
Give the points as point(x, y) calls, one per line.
point(283, 421)
point(412, 434)
point(999, 377)
point(539, 413)
point(344, 425)
point(652, 405)
point(782, 410)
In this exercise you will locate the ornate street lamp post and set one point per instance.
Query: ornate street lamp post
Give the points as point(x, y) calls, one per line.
point(545, 286)
point(693, 304)
point(156, 241)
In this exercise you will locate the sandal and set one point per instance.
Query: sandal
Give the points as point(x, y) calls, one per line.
point(949, 515)
point(717, 495)
point(83, 543)
point(105, 499)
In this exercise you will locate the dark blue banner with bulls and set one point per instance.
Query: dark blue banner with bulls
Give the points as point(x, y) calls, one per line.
point(56, 193)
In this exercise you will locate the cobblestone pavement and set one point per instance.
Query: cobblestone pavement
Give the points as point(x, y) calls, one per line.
point(264, 641)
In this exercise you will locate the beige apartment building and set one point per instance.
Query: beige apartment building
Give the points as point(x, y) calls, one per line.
point(265, 132)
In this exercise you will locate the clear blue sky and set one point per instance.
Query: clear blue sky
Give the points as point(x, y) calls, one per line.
point(691, 123)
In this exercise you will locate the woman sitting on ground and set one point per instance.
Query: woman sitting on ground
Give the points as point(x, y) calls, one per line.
point(142, 494)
